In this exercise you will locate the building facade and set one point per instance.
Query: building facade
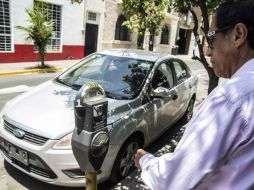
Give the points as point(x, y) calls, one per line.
point(114, 35)
point(79, 30)
point(67, 40)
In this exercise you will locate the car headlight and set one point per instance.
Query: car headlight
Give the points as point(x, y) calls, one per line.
point(110, 127)
point(64, 143)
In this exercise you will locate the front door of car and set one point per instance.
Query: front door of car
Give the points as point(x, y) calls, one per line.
point(163, 108)
point(182, 84)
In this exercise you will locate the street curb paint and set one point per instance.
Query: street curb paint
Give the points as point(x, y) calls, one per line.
point(47, 70)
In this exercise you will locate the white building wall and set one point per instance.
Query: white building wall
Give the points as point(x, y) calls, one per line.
point(113, 10)
point(19, 18)
point(172, 21)
point(98, 7)
point(95, 5)
point(72, 21)
point(194, 46)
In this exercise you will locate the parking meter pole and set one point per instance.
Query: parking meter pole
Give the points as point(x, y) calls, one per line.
point(91, 180)
point(90, 138)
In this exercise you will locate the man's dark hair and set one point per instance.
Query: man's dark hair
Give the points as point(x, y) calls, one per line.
point(232, 12)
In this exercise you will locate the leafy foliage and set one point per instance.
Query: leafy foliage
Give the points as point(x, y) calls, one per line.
point(39, 30)
point(206, 7)
point(144, 14)
point(184, 5)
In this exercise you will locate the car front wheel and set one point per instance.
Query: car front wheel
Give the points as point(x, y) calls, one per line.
point(189, 112)
point(124, 162)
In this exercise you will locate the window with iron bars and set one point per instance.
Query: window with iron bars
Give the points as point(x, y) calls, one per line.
point(5, 27)
point(55, 13)
point(91, 16)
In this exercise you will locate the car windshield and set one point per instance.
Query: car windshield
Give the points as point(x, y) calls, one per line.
point(120, 77)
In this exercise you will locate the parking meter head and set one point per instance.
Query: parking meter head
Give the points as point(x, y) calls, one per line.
point(90, 139)
point(90, 108)
point(92, 92)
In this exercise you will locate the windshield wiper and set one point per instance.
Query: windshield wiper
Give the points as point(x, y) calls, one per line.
point(76, 86)
point(63, 82)
point(109, 95)
point(116, 97)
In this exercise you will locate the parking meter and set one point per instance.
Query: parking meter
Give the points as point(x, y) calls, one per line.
point(90, 137)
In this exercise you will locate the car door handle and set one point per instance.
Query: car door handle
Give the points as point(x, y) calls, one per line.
point(174, 96)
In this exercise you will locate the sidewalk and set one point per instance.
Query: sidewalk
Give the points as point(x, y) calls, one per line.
point(9, 69)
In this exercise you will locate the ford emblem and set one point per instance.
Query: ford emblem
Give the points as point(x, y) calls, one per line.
point(19, 133)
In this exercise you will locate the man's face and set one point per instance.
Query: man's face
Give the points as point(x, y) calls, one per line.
point(222, 53)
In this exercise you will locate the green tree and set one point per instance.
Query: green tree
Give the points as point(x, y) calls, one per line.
point(206, 7)
point(39, 30)
point(142, 15)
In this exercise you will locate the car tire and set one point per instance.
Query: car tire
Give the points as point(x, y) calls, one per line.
point(124, 162)
point(189, 111)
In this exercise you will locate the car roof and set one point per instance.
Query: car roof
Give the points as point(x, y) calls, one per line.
point(136, 54)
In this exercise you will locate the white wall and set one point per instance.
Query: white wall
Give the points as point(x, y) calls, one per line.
point(193, 46)
point(98, 7)
point(112, 12)
point(172, 21)
point(72, 21)
point(95, 5)
point(19, 18)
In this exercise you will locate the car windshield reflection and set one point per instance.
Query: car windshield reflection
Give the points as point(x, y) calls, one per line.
point(120, 77)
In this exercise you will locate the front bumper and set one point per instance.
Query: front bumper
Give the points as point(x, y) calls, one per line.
point(58, 167)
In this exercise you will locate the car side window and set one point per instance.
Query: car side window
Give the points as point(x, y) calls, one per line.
point(180, 71)
point(163, 77)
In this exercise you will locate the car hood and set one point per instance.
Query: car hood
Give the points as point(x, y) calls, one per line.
point(47, 110)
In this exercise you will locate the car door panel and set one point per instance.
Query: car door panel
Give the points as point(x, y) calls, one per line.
point(183, 84)
point(164, 109)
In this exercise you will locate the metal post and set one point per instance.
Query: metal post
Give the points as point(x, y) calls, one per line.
point(91, 181)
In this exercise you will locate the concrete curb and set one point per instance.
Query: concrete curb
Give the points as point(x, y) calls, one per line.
point(46, 70)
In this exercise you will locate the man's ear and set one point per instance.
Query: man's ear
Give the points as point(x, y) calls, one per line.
point(240, 34)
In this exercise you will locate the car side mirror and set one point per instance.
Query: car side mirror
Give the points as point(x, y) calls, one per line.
point(162, 92)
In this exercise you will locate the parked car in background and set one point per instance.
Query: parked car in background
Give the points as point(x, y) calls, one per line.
point(147, 93)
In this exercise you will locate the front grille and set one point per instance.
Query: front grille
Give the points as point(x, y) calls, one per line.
point(36, 164)
point(42, 172)
point(74, 173)
point(28, 137)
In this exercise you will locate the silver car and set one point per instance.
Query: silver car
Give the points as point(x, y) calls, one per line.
point(147, 93)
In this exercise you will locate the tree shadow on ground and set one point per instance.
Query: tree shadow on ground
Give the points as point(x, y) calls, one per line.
point(166, 143)
point(46, 66)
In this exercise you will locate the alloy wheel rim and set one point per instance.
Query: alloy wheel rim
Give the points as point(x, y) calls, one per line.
point(190, 111)
point(127, 160)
